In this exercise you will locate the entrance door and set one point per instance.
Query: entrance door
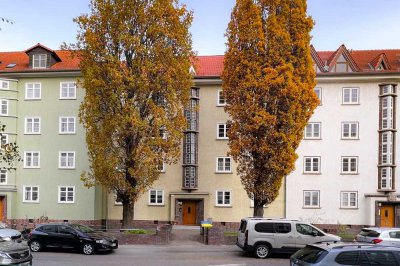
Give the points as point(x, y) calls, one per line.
point(189, 212)
point(387, 216)
point(1, 208)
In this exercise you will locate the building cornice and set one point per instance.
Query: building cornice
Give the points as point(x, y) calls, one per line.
point(40, 74)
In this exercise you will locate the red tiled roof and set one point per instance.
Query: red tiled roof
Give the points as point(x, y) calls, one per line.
point(209, 66)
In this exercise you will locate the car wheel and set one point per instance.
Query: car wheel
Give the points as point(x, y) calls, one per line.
point(88, 248)
point(262, 251)
point(35, 246)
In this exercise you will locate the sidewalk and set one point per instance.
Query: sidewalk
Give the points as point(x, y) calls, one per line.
point(186, 235)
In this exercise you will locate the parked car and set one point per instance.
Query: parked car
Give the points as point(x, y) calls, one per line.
point(64, 235)
point(331, 254)
point(264, 236)
point(380, 236)
point(8, 232)
point(14, 253)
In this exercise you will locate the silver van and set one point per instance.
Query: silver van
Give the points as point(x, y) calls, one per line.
point(264, 236)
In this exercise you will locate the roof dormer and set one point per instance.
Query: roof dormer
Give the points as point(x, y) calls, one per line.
point(41, 57)
point(341, 61)
point(380, 63)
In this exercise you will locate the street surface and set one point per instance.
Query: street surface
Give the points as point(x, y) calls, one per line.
point(148, 255)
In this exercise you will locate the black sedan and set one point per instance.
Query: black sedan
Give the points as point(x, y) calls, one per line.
point(64, 235)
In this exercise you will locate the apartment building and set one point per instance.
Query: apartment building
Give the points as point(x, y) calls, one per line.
point(345, 172)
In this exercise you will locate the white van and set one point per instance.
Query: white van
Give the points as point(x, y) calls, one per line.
point(266, 235)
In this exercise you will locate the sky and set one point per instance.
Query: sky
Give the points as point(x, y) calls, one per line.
point(358, 24)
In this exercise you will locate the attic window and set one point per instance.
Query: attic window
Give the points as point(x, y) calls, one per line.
point(11, 65)
point(381, 66)
point(39, 61)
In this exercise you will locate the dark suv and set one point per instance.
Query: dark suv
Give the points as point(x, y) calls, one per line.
point(64, 235)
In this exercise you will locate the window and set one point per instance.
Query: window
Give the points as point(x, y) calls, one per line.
point(67, 90)
point(224, 165)
point(386, 178)
point(4, 85)
point(67, 125)
point(350, 96)
point(161, 166)
point(311, 199)
point(222, 131)
point(350, 130)
point(223, 198)
point(312, 131)
point(66, 194)
point(4, 107)
point(312, 165)
point(66, 159)
point(378, 257)
point(32, 125)
point(308, 230)
point(318, 91)
point(156, 197)
point(221, 99)
point(348, 199)
point(4, 139)
point(387, 148)
point(3, 176)
point(32, 159)
point(39, 61)
point(31, 194)
point(348, 258)
point(33, 91)
point(349, 165)
point(387, 112)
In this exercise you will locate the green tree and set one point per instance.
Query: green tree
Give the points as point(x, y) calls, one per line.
point(135, 60)
point(268, 82)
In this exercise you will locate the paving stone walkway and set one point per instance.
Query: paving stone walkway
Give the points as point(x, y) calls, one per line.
point(186, 235)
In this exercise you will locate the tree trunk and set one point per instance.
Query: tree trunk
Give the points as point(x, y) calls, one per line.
point(258, 208)
point(127, 214)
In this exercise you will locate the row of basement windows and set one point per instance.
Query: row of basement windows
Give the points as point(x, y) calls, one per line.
point(66, 194)
point(348, 199)
point(33, 90)
point(349, 130)
point(312, 165)
point(223, 198)
point(350, 95)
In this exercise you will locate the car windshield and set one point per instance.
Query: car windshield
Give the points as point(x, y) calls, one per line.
point(369, 233)
point(310, 254)
point(82, 228)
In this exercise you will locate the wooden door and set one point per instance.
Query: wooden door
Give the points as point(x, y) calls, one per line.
point(1, 209)
point(189, 212)
point(387, 216)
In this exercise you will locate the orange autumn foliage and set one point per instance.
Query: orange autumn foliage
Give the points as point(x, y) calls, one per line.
point(268, 83)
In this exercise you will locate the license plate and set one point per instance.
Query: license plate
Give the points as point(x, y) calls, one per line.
point(28, 263)
point(113, 244)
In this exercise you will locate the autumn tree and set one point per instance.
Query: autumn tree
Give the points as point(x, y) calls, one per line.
point(268, 82)
point(135, 61)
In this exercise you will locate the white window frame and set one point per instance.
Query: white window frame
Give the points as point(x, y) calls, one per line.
point(221, 101)
point(4, 85)
point(162, 168)
point(3, 175)
point(318, 92)
point(225, 131)
point(4, 102)
point(156, 192)
point(32, 154)
point(33, 122)
point(68, 86)
point(67, 155)
point(387, 112)
point(223, 204)
point(39, 61)
point(315, 130)
point(387, 176)
point(34, 88)
point(310, 193)
point(345, 197)
point(387, 148)
point(351, 125)
point(66, 194)
point(312, 160)
point(351, 91)
point(30, 200)
point(67, 126)
point(350, 160)
point(226, 168)
point(4, 139)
